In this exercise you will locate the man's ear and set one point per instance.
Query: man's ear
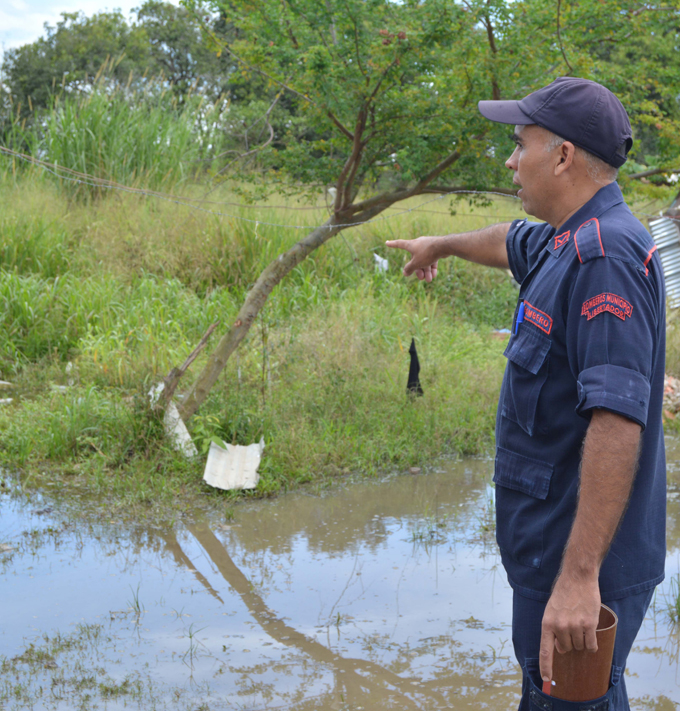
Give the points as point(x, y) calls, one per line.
point(566, 157)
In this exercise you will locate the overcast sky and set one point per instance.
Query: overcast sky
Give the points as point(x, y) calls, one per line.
point(22, 21)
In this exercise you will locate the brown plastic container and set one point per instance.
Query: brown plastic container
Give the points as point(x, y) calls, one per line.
point(583, 675)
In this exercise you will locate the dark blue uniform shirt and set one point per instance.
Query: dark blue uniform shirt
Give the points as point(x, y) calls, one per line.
point(588, 332)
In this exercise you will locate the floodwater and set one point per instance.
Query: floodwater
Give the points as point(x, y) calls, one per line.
point(378, 595)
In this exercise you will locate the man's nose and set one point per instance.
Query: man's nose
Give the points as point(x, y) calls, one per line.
point(511, 163)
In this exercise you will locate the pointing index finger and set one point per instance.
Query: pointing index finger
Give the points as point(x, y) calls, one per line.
point(546, 655)
point(398, 244)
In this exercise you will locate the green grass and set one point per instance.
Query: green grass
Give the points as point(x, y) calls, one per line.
point(67, 669)
point(143, 139)
point(672, 600)
point(99, 300)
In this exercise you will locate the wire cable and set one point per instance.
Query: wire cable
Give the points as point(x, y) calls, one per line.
point(74, 176)
point(77, 177)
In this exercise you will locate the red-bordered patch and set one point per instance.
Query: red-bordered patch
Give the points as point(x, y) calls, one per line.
point(590, 241)
point(649, 257)
point(537, 317)
point(561, 240)
point(606, 302)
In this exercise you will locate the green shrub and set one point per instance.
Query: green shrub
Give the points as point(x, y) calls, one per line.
point(34, 246)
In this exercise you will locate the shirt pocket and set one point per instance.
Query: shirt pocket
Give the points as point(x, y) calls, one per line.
point(522, 487)
point(527, 355)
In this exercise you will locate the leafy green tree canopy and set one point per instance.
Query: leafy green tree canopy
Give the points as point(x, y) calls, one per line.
point(388, 93)
point(71, 52)
point(165, 40)
point(389, 90)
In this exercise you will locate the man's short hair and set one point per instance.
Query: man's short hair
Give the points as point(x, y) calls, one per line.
point(598, 171)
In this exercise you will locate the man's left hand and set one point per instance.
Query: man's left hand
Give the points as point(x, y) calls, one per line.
point(570, 619)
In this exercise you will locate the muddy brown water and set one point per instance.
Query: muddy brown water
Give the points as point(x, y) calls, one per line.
point(378, 595)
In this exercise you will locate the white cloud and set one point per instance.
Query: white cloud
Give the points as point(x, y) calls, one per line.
point(18, 5)
point(23, 21)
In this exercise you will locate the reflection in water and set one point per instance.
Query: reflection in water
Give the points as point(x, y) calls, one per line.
point(383, 595)
point(348, 672)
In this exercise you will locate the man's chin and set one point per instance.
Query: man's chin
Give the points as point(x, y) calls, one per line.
point(526, 206)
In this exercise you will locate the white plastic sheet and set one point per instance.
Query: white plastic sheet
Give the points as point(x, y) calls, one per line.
point(234, 467)
point(177, 432)
point(381, 264)
point(175, 429)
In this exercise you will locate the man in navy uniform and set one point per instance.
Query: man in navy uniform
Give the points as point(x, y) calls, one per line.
point(580, 466)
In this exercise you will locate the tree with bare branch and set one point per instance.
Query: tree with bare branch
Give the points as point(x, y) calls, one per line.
point(382, 101)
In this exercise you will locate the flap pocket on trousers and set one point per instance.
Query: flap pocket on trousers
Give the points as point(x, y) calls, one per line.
point(515, 471)
point(528, 348)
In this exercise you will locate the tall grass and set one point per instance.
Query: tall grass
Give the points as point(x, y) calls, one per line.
point(142, 138)
point(98, 301)
point(145, 142)
point(125, 329)
point(30, 245)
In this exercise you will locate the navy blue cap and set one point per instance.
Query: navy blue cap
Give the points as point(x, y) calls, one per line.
point(581, 111)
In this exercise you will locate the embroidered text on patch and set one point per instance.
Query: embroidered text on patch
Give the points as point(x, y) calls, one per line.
point(537, 317)
point(607, 302)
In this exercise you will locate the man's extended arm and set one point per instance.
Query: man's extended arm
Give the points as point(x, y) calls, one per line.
point(608, 466)
point(485, 246)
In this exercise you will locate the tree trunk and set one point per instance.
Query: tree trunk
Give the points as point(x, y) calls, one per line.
point(255, 300)
point(356, 213)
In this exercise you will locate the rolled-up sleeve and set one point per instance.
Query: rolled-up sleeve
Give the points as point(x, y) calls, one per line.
point(612, 338)
point(614, 388)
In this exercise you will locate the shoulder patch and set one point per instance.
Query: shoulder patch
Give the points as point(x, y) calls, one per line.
point(588, 241)
point(610, 303)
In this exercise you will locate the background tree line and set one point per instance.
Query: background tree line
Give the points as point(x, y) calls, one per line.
point(163, 40)
point(286, 81)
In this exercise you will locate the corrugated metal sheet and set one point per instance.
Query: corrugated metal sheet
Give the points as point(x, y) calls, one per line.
point(666, 235)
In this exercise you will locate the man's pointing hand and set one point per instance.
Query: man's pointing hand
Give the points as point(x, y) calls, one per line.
point(424, 256)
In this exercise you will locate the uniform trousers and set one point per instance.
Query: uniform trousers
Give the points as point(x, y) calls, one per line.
point(526, 638)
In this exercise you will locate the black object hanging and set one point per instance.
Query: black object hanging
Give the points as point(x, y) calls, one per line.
point(413, 387)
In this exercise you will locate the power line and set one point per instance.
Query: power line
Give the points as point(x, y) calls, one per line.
point(63, 173)
point(74, 176)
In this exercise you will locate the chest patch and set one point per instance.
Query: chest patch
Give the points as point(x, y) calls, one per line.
point(612, 303)
point(561, 240)
point(537, 317)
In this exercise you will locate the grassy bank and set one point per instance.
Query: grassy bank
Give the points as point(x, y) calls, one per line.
point(101, 299)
